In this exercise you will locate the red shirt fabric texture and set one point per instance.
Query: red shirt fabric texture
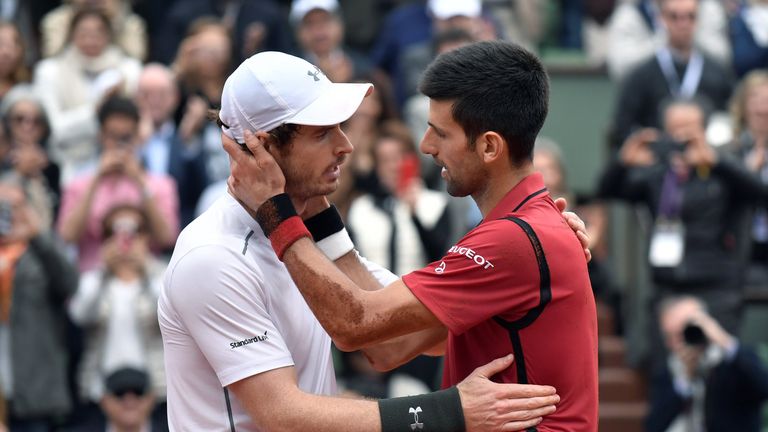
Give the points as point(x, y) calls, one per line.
point(497, 295)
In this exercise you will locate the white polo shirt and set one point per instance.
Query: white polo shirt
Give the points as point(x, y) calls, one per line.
point(229, 310)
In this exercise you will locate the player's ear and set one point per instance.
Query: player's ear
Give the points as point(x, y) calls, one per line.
point(490, 146)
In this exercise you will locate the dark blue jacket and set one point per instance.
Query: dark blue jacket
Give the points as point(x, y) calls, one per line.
point(735, 391)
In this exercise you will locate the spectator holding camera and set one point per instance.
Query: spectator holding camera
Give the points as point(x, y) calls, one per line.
point(412, 221)
point(118, 178)
point(35, 280)
point(710, 381)
point(115, 304)
point(697, 198)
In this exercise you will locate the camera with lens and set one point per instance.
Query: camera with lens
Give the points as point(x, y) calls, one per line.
point(666, 146)
point(694, 335)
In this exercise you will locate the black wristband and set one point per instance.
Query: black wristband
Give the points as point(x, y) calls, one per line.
point(274, 211)
point(325, 223)
point(433, 412)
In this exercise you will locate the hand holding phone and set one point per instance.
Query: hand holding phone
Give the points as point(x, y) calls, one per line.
point(409, 171)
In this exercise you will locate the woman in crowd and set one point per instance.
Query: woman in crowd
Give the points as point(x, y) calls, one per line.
point(116, 305)
point(73, 84)
point(27, 131)
point(749, 109)
point(202, 65)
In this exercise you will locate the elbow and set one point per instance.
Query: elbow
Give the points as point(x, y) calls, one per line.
point(384, 364)
point(350, 337)
point(347, 341)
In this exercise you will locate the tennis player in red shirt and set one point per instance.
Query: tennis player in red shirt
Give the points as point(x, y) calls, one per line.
point(516, 283)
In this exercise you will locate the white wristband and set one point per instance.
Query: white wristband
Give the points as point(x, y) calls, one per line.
point(336, 245)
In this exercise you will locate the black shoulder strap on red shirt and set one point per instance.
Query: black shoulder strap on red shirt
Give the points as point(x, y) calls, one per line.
point(545, 295)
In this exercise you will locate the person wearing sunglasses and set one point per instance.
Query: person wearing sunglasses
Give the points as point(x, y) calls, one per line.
point(115, 305)
point(127, 404)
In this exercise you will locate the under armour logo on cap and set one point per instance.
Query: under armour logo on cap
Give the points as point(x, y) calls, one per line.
point(269, 89)
point(315, 73)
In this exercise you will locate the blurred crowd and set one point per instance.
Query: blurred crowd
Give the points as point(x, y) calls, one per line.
point(107, 152)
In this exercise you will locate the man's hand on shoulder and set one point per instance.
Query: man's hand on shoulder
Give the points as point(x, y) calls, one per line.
point(503, 407)
point(577, 225)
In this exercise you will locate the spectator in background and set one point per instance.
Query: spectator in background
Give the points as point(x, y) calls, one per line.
point(127, 405)
point(677, 70)
point(202, 64)
point(363, 128)
point(749, 109)
point(28, 129)
point(35, 281)
point(638, 28)
point(13, 68)
point(117, 179)
point(548, 159)
point(163, 152)
point(697, 198)
point(255, 26)
point(413, 25)
point(320, 32)
point(128, 29)
point(749, 36)
point(75, 82)
point(23, 16)
point(710, 381)
point(116, 305)
point(448, 33)
point(412, 221)
point(522, 21)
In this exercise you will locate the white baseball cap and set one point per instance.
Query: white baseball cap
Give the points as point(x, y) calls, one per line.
point(300, 8)
point(273, 88)
point(445, 9)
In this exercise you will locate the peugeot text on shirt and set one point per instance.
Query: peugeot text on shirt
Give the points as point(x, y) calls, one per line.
point(472, 255)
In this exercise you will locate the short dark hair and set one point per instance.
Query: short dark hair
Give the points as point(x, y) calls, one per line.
point(118, 106)
point(495, 86)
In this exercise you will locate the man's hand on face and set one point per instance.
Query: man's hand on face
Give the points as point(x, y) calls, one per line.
point(503, 407)
point(254, 176)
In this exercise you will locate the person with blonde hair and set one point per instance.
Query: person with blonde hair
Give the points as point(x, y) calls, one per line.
point(749, 113)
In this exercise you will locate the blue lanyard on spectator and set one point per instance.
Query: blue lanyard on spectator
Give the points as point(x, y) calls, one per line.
point(690, 82)
point(671, 201)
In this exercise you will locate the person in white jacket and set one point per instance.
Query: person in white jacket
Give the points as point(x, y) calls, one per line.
point(72, 84)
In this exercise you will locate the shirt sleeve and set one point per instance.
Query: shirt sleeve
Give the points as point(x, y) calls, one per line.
point(221, 302)
point(492, 271)
point(381, 274)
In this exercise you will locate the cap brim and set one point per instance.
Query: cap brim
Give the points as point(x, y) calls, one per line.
point(335, 105)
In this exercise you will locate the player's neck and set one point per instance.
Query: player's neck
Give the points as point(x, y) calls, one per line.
point(498, 186)
point(300, 204)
